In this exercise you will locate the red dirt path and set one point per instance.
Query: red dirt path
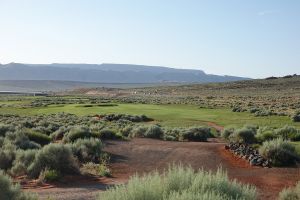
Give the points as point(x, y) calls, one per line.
point(144, 155)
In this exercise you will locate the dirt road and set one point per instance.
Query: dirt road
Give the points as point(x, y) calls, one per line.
point(144, 155)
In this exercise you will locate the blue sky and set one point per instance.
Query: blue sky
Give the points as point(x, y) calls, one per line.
point(256, 38)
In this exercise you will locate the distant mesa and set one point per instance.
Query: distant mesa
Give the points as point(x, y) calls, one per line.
point(108, 73)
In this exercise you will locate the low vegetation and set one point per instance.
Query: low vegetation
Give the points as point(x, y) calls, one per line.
point(87, 150)
point(279, 152)
point(243, 135)
point(48, 147)
point(181, 183)
point(57, 157)
point(11, 191)
point(290, 193)
point(274, 144)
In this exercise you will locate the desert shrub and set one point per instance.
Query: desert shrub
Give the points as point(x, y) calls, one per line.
point(57, 157)
point(59, 134)
point(279, 152)
point(263, 113)
point(27, 123)
point(265, 133)
point(1, 141)
point(19, 139)
point(5, 128)
point(138, 131)
point(108, 134)
point(87, 150)
point(38, 137)
point(103, 170)
point(290, 193)
point(52, 127)
point(172, 134)
point(237, 109)
point(7, 156)
point(49, 176)
point(243, 135)
point(126, 131)
point(154, 131)
point(95, 169)
point(76, 133)
point(227, 132)
point(288, 133)
point(10, 191)
point(252, 127)
point(180, 183)
point(42, 130)
point(296, 116)
point(253, 110)
point(170, 138)
point(144, 118)
point(132, 118)
point(22, 161)
point(196, 134)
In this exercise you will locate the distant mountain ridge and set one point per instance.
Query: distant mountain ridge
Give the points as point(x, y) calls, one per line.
point(108, 73)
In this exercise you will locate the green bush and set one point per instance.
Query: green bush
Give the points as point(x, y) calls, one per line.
point(181, 184)
point(38, 137)
point(253, 110)
point(7, 156)
point(263, 113)
point(59, 134)
point(5, 128)
point(108, 134)
point(87, 150)
point(76, 133)
point(126, 131)
point(22, 161)
point(279, 152)
point(227, 132)
point(172, 134)
point(96, 169)
point(21, 140)
point(1, 141)
point(10, 191)
point(139, 131)
point(57, 157)
point(265, 133)
point(296, 116)
point(49, 176)
point(288, 133)
point(153, 131)
point(243, 135)
point(199, 134)
point(42, 130)
point(290, 193)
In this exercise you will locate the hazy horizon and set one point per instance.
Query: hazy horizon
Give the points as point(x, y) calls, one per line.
point(253, 39)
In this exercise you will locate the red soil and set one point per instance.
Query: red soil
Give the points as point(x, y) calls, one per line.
point(145, 155)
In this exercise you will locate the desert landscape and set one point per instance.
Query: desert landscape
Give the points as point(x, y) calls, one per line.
point(114, 134)
point(149, 100)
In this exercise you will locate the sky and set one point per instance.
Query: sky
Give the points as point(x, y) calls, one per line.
point(256, 38)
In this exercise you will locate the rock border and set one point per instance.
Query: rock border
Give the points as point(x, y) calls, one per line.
point(248, 153)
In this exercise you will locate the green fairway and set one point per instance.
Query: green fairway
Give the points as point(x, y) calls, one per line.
point(169, 115)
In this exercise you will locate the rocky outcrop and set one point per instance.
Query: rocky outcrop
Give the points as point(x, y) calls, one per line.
point(248, 153)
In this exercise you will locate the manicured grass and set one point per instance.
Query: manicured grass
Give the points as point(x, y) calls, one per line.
point(168, 115)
